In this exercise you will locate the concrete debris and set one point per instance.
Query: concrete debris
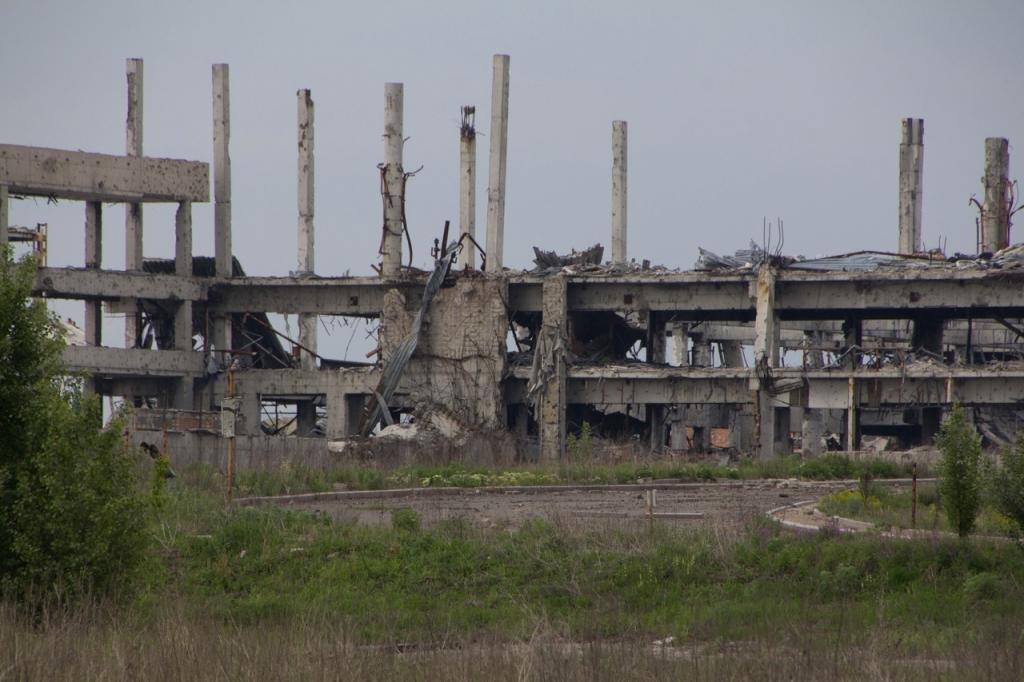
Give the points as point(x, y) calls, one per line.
point(546, 260)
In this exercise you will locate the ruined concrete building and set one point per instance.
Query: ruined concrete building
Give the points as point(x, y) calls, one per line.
point(883, 342)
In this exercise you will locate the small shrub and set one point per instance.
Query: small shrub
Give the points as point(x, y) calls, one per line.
point(405, 519)
point(982, 587)
point(961, 471)
point(1008, 484)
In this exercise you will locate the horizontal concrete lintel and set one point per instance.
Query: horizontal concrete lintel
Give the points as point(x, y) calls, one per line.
point(351, 296)
point(132, 362)
point(82, 283)
point(85, 176)
point(296, 382)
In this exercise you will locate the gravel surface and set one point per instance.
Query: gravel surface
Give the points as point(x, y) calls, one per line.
point(728, 503)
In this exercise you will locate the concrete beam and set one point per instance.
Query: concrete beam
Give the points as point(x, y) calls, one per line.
point(911, 167)
point(498, 164)
point(111, 285)
point(84, 176)
point(353, 296)
point(132, 362)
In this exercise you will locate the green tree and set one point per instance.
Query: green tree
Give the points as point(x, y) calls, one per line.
point(1008, 483)
point(71, 520)
point(961, 471)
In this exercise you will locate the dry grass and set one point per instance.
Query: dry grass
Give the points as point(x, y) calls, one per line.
point(104, 644)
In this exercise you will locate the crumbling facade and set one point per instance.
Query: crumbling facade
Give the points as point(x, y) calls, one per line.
point(883, 341)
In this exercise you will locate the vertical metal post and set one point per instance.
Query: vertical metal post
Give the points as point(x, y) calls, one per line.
point(498, 164)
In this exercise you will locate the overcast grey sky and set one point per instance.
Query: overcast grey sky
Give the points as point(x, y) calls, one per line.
point(736, 110)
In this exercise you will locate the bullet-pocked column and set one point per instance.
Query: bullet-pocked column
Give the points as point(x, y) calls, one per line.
point(4, 214)
point(911, 167)
point(498, 164)
point(133, 211)
point(306, 409)
point(306, 198)
point(222, 196)
point(93, 261)
point(995, 228)
point(552, 404)
point(394, 181)
point(183, 316)
point(766, 357)
point(467, 182)
point(619, 191)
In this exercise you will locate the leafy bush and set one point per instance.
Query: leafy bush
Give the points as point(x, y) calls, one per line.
point(405, 519)
point(71, 519)
point(1008, 484)
point(960, 488)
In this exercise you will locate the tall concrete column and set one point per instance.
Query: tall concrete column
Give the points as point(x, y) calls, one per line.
point(552, 403)
point(995, 224)
point(927, 335)
point(911, 166)
point(467, 183)
point(222, 196)
point(812, 422)
point(766, 357)
point(656, 354)
point(4, 214)
point(498, 164)
point(853, 339)
point(394, 181)
point(93, 261)
point(306, 409)
point(183, 397)
point(306, 254)
point(619, 191)
point(133, 211)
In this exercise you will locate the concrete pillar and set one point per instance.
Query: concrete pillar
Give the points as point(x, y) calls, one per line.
point(995, 225)
point(732, 353)
point(133, 211)
point(552, 403)
point(305, 418)
point(498, 164)
point(619, 191)
point(4, 214)
point(183, 398)
point(812, 421)
point(93, 261)
point(702, 353)
point(766, 357)
point(222, 196)
point(927, 335)
point(306, 255)
point(911, 166)
point(656, 354)
point(394, 181)
point(853, 339)
point(467, 183)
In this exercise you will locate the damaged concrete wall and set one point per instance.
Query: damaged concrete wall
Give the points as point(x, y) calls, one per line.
point(460, 359)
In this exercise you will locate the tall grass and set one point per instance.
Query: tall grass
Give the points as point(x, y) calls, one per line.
point(291, 478)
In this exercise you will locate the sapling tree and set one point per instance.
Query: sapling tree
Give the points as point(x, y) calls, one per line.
point(961, 470)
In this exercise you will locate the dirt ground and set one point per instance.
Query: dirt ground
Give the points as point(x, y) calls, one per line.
point(729, 503)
